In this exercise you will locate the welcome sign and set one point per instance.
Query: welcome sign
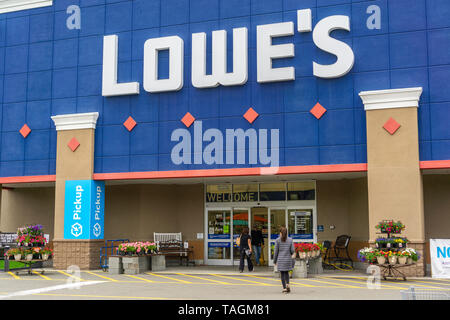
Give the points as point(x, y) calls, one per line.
point(440, 258)
point(84, 209)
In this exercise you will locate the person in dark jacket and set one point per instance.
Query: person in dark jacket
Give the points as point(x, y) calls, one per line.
point(257, 240)
point(245, 249)
point(282, 257)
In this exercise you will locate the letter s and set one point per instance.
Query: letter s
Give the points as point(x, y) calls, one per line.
point(323, 40)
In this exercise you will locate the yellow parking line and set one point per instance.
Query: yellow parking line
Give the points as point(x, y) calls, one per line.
point(170, 278)
point(100, 276)
point(41, 275)
point(365, 283)
point(333, 283)
point(238, 279)
point(69, 275)
point(416, 285)
point(302, 284)
point(432, 282)
point(139, 278)
point(97, 296)
point(216, 281)
point(15, 276)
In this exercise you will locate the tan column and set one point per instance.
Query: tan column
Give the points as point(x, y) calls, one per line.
point(74, 161)
point(394, 177)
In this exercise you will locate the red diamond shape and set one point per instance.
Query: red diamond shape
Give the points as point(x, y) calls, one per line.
point(251, 115)
point(391, 126)
point(188, 119)
point(25, 131)
point(318, 111)
point(73, 144)
point(129, 123)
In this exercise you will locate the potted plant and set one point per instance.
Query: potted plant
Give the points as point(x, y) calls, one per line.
point(28, 254)
point(402, 257)
point(367, 255)
point(392, 257)
point(15, 252)
point(413, 255)
point(381, 256)
point(46, 253)
point(380, 243)
point(36, 252)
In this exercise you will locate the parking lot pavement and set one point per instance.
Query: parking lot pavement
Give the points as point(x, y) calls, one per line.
point(54, 284)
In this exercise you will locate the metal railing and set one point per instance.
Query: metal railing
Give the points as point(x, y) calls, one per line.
point(423, 294)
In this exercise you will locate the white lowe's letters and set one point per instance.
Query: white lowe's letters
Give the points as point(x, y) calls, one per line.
point(266, 52)
point(219, 74)
point(110, 87)
point(175, 45)
point(322, 39)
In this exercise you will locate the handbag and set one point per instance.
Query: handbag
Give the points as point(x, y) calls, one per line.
point(238, 241)
point(248, 253)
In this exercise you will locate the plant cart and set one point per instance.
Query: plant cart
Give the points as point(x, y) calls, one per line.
point(392, 270)
point(29, 265)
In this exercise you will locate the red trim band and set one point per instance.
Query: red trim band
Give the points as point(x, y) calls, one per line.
point(435, 164)
point(28, 179)
point(206, 173)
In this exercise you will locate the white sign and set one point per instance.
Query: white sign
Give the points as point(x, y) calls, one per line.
point(200, 235)
point(440, 258)
point(266, 52)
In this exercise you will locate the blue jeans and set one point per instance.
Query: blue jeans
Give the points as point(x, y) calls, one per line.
point(257, 252)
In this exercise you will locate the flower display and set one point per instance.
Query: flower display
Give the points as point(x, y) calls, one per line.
point(306, 247)
point(138, 248)
point(390, 226)
point(32, 235)
point(367, 255)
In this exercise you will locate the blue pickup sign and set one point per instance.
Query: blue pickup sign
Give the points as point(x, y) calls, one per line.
point(84, 210)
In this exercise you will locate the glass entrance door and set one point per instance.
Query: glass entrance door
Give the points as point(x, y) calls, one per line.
point(218, 248)
point(240, 221)
point(260, 228)
point(277, 220)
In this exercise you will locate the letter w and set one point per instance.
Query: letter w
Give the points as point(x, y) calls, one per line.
point(219, 74)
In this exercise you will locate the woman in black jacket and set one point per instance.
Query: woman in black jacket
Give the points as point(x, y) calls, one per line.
point(245, 249)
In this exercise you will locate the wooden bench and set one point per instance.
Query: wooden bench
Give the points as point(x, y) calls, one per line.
point(175, 248)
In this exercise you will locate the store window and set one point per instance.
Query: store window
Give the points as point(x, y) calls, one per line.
point(245, 192)
point(305, 190)
point(300, 223)
point(218, 193)
point(17, 5)
point(272, 192)
point(219, 250)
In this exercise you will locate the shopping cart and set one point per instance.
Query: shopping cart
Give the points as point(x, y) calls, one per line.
point(423, 294)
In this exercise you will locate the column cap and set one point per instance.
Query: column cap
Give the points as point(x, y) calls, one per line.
point(75, 121)
point(391, 99)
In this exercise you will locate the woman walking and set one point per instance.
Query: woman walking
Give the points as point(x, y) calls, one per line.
point(282, 257)
point(245, 249)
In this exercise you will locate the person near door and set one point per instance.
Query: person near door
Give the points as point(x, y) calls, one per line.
point(245, 249)
point(257, 239)
point(282, 257)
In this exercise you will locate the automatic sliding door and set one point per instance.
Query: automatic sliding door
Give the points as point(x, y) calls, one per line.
point(277, 220)
point(240, 221)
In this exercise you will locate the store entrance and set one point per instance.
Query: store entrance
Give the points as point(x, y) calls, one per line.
point(225, 225)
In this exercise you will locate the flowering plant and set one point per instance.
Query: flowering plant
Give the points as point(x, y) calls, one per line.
point(137, 247)
point(306, 247)
point(390, 226)
point(47, 251)
point(413, 254)
point(367, 255)
point(13, 252)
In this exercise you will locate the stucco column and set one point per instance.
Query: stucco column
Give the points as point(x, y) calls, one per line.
point(394, 177)
point(74, 161)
